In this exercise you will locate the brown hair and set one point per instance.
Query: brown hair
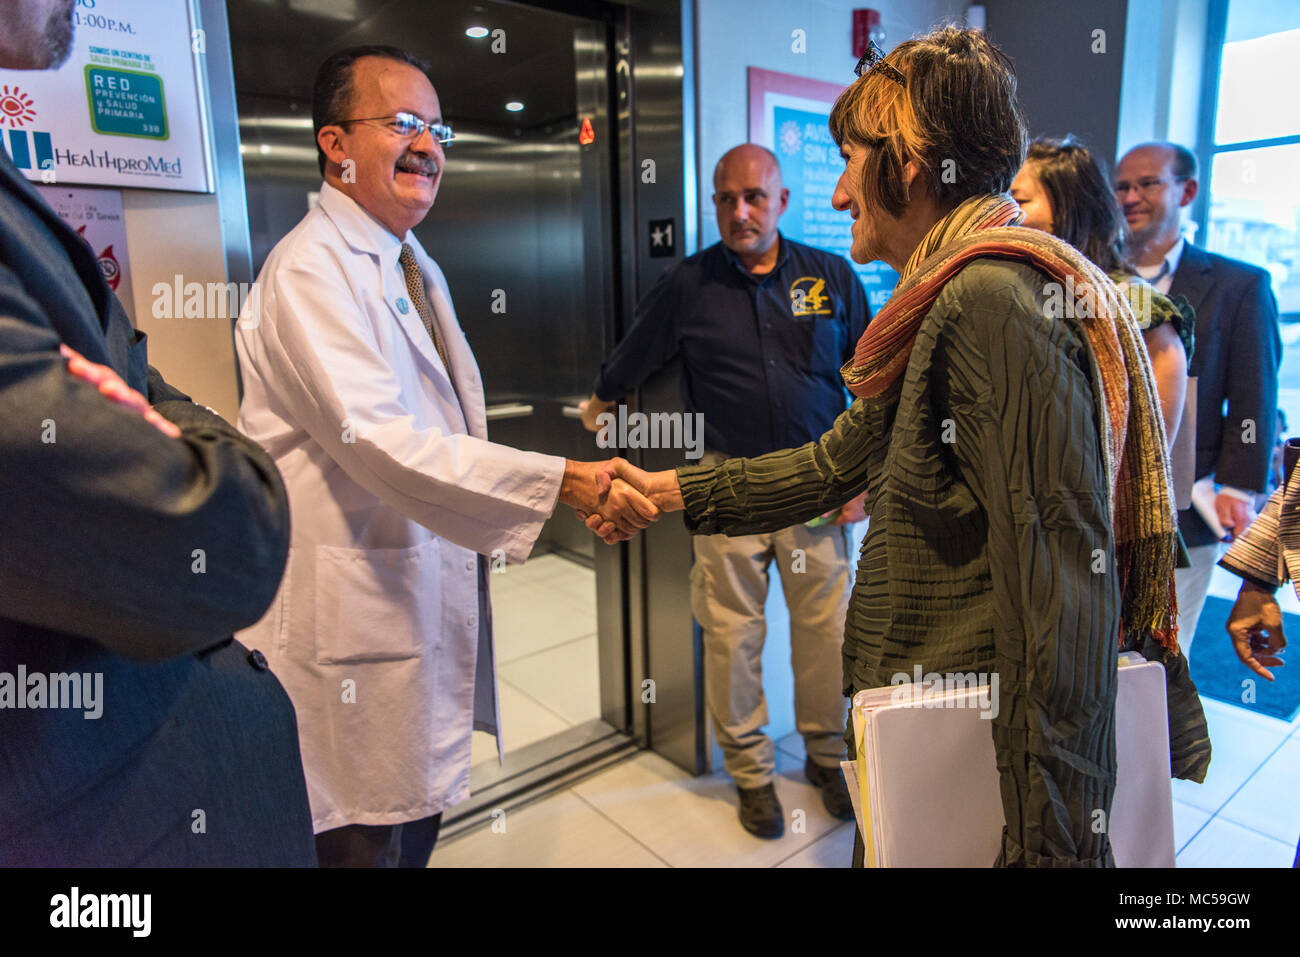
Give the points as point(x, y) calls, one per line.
point(1084, 210)
point(957, 112)
point(331, 96)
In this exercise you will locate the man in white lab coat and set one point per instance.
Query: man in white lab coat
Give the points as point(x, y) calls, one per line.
point(360, 384)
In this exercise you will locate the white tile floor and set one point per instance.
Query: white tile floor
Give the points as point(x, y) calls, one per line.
point(1247, 811)
point(544, 620)
point(646, 812)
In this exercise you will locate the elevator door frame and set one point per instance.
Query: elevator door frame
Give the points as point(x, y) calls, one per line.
point(652, 691)
point(553, 763)
point(653, 87)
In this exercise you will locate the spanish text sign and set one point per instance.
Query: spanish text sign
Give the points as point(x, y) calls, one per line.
point(789, 115)
point(124, 109)
point(810, 166)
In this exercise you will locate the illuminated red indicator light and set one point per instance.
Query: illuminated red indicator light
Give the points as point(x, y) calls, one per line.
point(586, 135)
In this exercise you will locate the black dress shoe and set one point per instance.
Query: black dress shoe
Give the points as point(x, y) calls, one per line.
point(835, 793)
point(760, 811)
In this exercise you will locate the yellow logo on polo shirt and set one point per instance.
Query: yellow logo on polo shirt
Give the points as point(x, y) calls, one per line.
point(807, 297)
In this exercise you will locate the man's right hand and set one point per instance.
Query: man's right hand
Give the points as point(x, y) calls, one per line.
point(1235, 514)
point(593, 408)
point(1255, 624)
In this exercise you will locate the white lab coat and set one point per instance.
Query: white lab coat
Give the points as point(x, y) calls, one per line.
point(392, 492)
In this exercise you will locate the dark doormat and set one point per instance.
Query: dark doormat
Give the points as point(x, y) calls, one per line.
point(1219, 673)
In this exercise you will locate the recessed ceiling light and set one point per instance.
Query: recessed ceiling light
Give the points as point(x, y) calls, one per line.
point(264, 148)
point(478, 33)
point(514, 106)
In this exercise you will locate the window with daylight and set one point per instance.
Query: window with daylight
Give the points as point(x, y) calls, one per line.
point(1253, 141)
point(1250, 156)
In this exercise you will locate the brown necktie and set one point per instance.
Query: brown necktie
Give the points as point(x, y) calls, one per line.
point(415, 287)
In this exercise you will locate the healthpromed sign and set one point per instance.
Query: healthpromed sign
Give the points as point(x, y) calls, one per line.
point(125, 109)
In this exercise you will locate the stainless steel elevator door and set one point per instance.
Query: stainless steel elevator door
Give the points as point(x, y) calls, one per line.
point(523, 228)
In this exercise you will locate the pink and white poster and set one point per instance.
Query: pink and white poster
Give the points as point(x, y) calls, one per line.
point(96, 214)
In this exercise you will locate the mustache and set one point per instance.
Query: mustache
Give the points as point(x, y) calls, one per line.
point(417, 164)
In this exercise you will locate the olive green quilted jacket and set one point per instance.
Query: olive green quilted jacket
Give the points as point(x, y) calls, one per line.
point(989, 547)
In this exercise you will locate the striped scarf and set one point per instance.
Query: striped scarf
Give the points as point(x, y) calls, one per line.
point(1132, 430)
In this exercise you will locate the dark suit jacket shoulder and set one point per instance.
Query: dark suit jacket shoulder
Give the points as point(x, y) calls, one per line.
point(130, 556)
point(1238, 351)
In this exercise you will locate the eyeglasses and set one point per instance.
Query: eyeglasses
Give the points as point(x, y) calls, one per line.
point(411, 126)
point(1147, 187)
point(873, 59)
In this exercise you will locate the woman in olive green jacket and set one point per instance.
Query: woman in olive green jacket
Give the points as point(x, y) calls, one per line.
point(1011, 445)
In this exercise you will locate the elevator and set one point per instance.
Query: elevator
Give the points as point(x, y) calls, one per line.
point(541, 226)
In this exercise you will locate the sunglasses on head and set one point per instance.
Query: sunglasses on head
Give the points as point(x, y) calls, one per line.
point(873, 59)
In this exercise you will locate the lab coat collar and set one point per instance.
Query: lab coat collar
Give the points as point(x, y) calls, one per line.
point(361, 230)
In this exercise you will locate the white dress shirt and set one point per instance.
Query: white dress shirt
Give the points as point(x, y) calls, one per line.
point(1162, 276)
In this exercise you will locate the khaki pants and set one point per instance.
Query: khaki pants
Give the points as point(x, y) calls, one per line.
point(729, 583)
point(1193, 585)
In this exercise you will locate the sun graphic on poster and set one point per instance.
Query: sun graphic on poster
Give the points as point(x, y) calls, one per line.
point(16, 107)
point(790, 137)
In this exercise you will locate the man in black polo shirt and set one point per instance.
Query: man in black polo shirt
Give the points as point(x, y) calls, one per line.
point(762, 325)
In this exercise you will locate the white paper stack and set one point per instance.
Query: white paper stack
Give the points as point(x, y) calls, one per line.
point(925, 783)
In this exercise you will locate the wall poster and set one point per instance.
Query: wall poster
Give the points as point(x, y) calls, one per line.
point(96, 215)
point(788, 114)
point(125, 109)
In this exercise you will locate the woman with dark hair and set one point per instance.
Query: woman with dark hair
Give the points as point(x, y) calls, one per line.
point(1063, 190)
point(1016, 462)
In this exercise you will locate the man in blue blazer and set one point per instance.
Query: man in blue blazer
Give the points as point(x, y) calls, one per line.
point(1238, 350)
point(136, 535)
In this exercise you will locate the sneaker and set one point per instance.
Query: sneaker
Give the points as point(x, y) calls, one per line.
point(760, 811)
point(835, 793)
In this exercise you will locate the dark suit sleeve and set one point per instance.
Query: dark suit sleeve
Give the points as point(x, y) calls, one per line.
point(162, 391)
point(1246, 455)
point(150, 546)
point(650, 344)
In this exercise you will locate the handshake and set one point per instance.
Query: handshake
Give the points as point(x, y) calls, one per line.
point(616, 499)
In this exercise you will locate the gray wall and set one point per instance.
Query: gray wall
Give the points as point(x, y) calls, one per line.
point(1064, 86)
point(1161, 96)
